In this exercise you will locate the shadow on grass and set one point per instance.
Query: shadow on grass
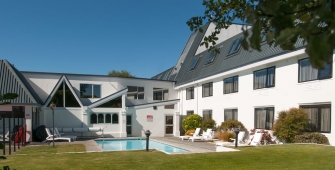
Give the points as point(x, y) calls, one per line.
point(3, 157)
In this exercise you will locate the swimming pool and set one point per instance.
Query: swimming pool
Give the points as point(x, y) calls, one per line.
point(136, 144)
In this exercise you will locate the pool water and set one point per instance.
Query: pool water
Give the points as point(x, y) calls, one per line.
point(136, 144)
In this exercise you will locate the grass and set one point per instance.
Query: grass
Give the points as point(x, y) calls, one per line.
point(262, 157)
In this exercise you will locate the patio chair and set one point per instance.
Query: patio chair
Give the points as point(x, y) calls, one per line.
point(49, 138)
point(6, 136)
point(239, 138)
point(57, 134)
point(196, 133)
point(205, 136)
point(256, 139)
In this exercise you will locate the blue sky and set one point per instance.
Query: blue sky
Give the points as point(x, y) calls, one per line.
point(95, 36)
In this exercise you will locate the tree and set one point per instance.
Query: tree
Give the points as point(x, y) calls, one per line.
point(122, 73)
point(282, 22)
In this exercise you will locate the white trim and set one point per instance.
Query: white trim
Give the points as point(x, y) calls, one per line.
point(115, 95)
point(153, 104)
point(234, 71)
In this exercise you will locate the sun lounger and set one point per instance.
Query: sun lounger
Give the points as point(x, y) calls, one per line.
point(256, 140)
point(196, 133)
point(57, 134)
point(49, 138)
point(239, 138)
point(205, 136)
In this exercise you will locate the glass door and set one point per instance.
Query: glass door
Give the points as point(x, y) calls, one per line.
point(168, 125)
point(128, 120)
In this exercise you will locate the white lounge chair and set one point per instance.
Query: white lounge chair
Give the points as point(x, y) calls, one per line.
point(57, 134)
point(256, 140)
point(49, 138)
point(240, 137)
point(205, 136)
point(196, 133)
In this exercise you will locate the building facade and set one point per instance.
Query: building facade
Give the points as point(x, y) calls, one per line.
point(247, 85)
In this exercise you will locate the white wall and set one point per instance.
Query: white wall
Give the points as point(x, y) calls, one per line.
point(287, 93)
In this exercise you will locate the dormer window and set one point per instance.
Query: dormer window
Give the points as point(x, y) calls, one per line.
point(235, 46)
point(211, 57)
point(193, 64)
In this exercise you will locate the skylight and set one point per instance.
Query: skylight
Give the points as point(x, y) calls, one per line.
point(193, 64)
point(235, 45)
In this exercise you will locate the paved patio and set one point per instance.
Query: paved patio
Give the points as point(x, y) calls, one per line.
point(193, 147)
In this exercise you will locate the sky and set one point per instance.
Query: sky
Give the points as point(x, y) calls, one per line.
point(95, 36)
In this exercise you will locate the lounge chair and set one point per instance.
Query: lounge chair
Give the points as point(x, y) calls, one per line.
point(57, 134)
point(256, 139)
point(239, 138)
point(49, 138)
point(6, 136)
point(196, 133)
point(205, 136)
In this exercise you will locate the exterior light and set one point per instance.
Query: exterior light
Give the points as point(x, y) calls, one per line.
point(147, 134)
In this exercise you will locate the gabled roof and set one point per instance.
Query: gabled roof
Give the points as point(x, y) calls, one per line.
point(60, 81)
point(12, 81)
point(108, 98)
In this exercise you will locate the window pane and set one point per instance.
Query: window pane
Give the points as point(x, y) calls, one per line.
point(115, 118)
point(264, 118)
point(128, 130)
point(193, 64)
point(236, 84)
point(86, 90)
point(207, 114)
point(70, 100)
point(306, 71)
point(96, 91)
point(169, 120)
point(100, 118)
point(270, 77)
point(228, 85)
point(190, 112)
point(108, 118)
point(157, 94)
point(171, 106)
point(168, 129)
point(93, 119)
point(260, 79)
point(140, 93)
point(57, 99)
point(190, 93)
point(132, 92)
point(320, 117)
point(325, 72)
point(128, 120)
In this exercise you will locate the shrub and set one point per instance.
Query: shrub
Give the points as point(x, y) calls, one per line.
point(208, 124)
point(191, 122)
point(225, 135)
point(290, 123)
point(229, 124)
point(311, 138)
point(189, 132)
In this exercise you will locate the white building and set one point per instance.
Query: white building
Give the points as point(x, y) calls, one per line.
point(249, 86)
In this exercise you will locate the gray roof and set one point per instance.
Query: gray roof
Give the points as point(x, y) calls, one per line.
point(224, 62)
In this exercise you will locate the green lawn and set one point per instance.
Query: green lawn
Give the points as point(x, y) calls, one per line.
point(261, 157)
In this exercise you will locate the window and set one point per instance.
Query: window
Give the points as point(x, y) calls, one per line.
point(189, 112)
point(264, 78)
point(211, 57)
point(171, 106)
point(264, 118)
point(90, 91)
point(193, 64)
point(230, 114)
point(190, 93)
point(115, 118)
point(114, 103)
point(207, 89)
point(135, 92)
point(230, 85)
point(168, 125)
point(64, 97)
point(160, 94)
point(104, 118)
point(207, 114)
point(319, 116)
point(308, 73)
point(235, 45)
point(108, 118)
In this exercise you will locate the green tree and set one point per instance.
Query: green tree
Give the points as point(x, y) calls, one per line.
point(7, 96)
point(291, 123)
point(191, 122)
point(282, 22)
point(122, 73)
